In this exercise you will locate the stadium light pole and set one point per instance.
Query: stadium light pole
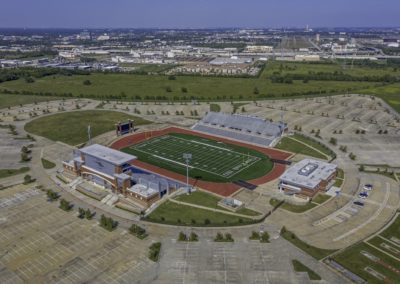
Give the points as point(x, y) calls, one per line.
point(187, 157)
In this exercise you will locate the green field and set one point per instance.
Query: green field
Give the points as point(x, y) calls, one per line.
point(386, 242)
point(11, 172)
point(208, 200)
point(150, 87)
point(211, 160)
point(355, 261)
point(128, 86)
point(393, 230)
point(321, 198)
point(176, 214)
point(16, 100)
point(327, 67)
point(288, 144)
point(71, 127)
point(47, 164)
point(291, 207)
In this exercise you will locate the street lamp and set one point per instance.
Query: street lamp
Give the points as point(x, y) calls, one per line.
point(187, 157)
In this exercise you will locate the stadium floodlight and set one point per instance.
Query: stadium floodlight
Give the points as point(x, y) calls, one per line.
point(187, 157)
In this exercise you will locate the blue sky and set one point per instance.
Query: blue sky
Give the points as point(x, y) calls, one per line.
point(198, 14)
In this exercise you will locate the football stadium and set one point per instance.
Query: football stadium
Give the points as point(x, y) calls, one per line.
point(219, 163)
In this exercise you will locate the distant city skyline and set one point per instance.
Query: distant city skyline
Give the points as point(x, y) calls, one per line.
point(198, 14)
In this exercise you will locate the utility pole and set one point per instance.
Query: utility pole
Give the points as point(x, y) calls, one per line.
point(187, 157)
point(89, 133)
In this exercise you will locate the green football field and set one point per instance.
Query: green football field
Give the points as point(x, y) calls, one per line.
point(211, 160)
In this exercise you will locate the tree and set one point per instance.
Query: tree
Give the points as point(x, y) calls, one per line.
point(81, 213)
point(254, 236)
point(184, 90)
point(88, 214)
point(256, 91)
point(228, 237)
point(51, 195)
point(333, 141)
point(219, 237)
point(168, 89)
point(171, 77)
point(361, 168)
point(28, 179)
point(182, 237)
point(65, 205)
point(193, 237)
point(264, 237)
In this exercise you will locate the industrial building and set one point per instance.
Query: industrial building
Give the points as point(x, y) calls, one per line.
point(114, 171)
point(307, 177)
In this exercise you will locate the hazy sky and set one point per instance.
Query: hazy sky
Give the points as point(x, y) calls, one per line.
point(198, 13)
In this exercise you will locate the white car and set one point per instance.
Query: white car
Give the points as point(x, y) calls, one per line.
point(363, 195)
point(368, 187)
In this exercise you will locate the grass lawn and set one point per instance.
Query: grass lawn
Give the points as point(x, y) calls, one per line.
point(321, 198)
point(340, 173)
point(353, 260)
point(311, 142)
point(216, 88)
point(293, 208)
point(71, 127)
point(47, 164)
point(211, 160)
point(200, 198)
point(393, 230)
point(288, 144)
point(176, 214)
point(206, 88)
point(208, 200)
point(12, 172)
point(317, 253)
point(247, 211)
point(298, 208)
point(338, 182)
point(7, 100)
point(300, 267)
point(389, 247)
point(389, 93)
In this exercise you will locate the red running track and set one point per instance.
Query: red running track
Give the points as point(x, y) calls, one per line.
point(223, 189)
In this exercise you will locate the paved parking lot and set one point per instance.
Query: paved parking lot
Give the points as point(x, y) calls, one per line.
point(41, 243)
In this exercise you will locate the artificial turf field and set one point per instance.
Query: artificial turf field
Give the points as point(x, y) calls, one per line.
point(211, 160)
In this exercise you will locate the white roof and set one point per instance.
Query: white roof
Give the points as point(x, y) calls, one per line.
point(110, 155)
point(143, 190)
point(308, 173)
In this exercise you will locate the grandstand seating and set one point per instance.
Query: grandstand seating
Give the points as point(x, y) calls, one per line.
point(239, 127)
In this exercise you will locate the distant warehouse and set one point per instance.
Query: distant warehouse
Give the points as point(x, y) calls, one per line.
point(307, 177)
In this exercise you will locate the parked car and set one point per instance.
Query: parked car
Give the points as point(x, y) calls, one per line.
point(368, 187)
point(363, 195)
point(359, 203)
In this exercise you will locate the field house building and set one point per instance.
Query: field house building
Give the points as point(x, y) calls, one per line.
point(307, 177)
point(114, 170)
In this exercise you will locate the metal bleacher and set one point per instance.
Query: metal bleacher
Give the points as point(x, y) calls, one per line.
point(239, 127)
